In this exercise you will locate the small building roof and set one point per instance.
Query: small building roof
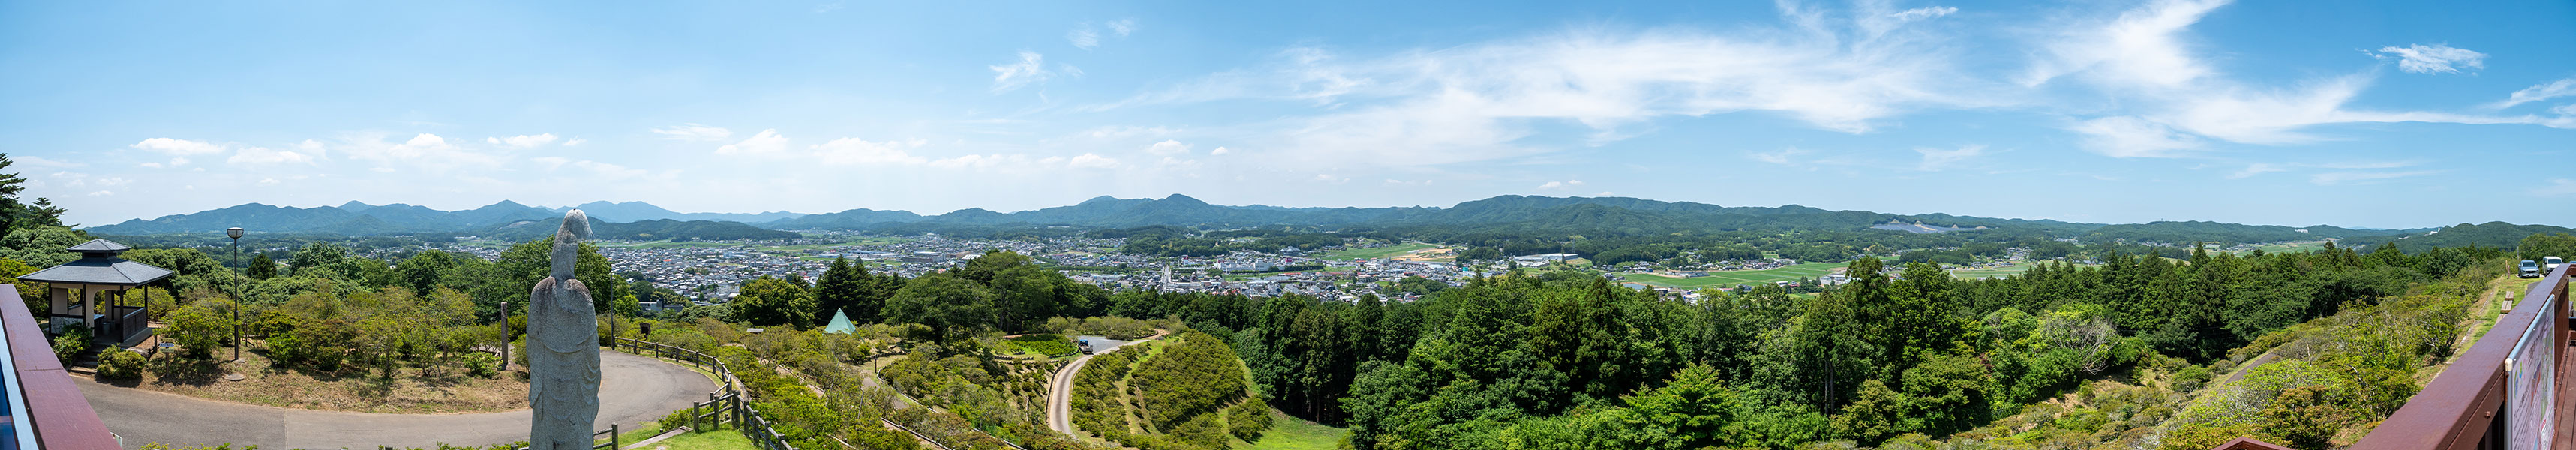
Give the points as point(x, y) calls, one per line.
point(99, 265)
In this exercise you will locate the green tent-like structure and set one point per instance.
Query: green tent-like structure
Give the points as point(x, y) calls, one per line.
point(841, 324)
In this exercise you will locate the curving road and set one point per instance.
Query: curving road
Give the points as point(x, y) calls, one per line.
point(632, 389)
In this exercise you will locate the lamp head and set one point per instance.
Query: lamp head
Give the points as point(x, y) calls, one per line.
point(234, 232)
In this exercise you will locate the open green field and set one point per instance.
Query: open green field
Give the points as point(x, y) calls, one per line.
point(1290, 433)
point(1999, 272)
point(1374, 253)
point(2291, 247)
point(1731, 278)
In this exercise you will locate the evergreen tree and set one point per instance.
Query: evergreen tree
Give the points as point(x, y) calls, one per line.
point(262, 268)
point(841, 289)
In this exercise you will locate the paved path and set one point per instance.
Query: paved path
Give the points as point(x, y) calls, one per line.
point(1060, 386)
point(632, 389)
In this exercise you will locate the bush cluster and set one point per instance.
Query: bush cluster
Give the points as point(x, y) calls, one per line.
point(121, 365)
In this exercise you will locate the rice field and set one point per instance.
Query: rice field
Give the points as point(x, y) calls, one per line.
point(1731, 278)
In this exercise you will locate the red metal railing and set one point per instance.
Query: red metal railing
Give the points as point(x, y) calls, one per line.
point(2504, 392)
point(62, 418)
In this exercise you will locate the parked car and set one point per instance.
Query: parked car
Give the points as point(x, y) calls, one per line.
point(2530, 269)
point(2550, 264)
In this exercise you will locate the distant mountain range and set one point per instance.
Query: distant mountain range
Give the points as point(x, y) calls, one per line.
point(1508, 214)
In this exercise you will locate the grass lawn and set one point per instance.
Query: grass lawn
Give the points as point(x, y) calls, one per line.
point(445, 389)
point(1290, 433)
point(722, 439)
point(1375, 253)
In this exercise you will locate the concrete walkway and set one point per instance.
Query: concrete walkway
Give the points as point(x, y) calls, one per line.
point(1059, 414)
point(632, 389)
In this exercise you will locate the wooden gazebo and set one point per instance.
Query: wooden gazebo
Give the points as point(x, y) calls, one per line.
point(99, 274)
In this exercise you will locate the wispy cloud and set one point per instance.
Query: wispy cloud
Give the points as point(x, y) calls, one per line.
point(1569, 184)
point(693, 132)
point(2341, 178)
point(1785, 156)
point(2255, 169)
point(2557, 187)
point(2555, 89)
point(1168, 148)
point(1937, 159)
point(768, 142)
point(2436, 58)
point(1083, 38)
point(2141, 57)
point(1031, 68)
point(1123, 27)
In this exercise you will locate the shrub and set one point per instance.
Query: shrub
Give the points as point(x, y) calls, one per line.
point(120, 365)
point(482, 365)
point(675, 420)
point(1045, 344)
point(71, 344)
point(1248, 420)
point(198, 330)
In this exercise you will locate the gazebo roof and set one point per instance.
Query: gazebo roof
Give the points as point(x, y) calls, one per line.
point(99, 245)
point(99, 265)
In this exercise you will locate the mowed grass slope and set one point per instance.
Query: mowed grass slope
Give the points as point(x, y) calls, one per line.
point(1291, 433)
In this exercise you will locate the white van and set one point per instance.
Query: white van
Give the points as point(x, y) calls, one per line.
point(2530, 269)
point(2550, 264)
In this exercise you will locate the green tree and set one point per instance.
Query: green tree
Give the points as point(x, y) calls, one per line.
point(842, 289)
point(947, 304)
point(262, 268)
point(772, 301)
point(15, 214)
point(317, 254)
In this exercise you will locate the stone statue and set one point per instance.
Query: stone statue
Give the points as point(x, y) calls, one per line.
point(563, 349)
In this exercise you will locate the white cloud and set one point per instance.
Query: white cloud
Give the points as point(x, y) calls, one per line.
point(112, 181)
point(1219, 151)
point(1560, 185)
point(268, 181)
point(260, 155)
point(154, 165)
point(551, 162)
point(855, 151)
point(1927, 12)
point(1938, 159)
point(1083, 38)
point(523, 141)
point(2436, 58)
point(1477, 102)
point(2175, 98)
point(2254, 169)
point(2131, 137)
point(1330, 179)
point(2554, 89)
point(768, 142)
point(1168, 148)
point(177, 146)
point(575, 142)
point(1123, 26)
point(101, 193)
point(2557, 187)
point(423, 150)
point(693, 132)
point(2337, 178)
point(1092, 161)
point(1030, 69)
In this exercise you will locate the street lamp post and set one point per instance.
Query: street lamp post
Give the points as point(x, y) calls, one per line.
point(236, 234)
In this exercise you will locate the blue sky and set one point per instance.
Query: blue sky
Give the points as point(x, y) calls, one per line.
point(2375, 114)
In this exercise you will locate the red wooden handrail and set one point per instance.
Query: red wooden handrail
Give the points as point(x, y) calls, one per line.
point(61, 416)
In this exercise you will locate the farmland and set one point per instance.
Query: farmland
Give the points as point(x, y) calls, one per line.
point(1731, 278)
point(1391, 251)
